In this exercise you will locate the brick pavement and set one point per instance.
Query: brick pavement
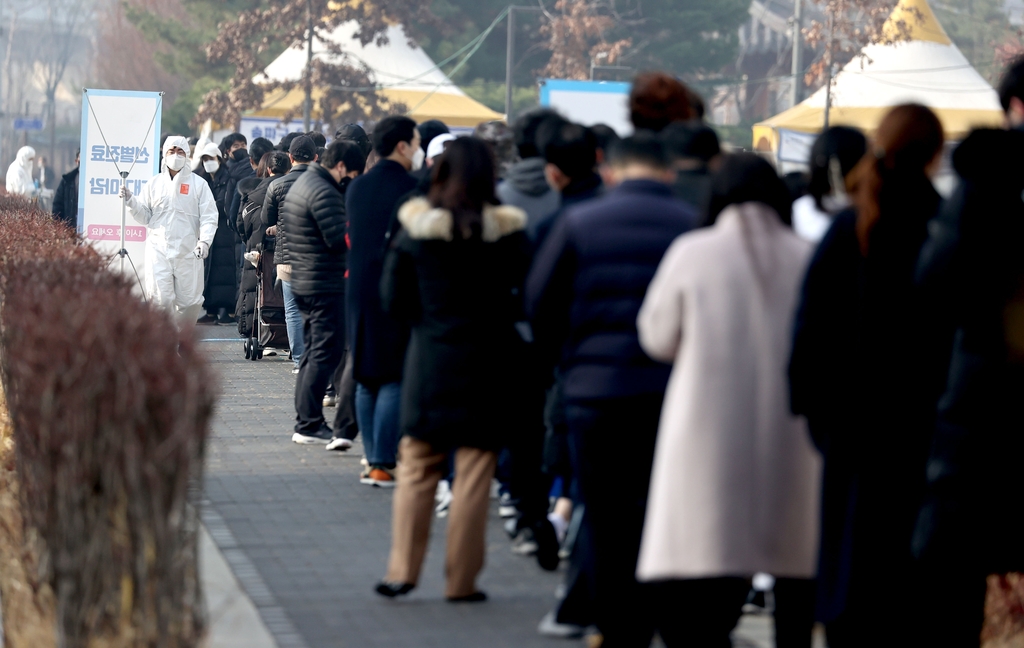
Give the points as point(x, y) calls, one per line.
point(308, 542)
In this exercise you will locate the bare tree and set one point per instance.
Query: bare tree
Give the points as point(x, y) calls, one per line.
point(576, 32)
point(349, 92)
point(63, 24)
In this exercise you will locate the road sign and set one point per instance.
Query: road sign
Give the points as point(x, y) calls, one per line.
point(28, 124)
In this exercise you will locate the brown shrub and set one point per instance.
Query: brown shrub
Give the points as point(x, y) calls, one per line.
point(110, 413)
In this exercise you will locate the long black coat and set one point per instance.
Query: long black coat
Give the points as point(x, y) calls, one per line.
point(253, 191)
point(314, 216)
point(378, 341)
point(221, 288)
point(65, 200)
point(465, 370)
point(866, 370)
point(974, 264)
point(238, 170)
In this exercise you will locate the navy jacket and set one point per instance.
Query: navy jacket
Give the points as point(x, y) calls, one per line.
point(589, 279)
point(378, 341)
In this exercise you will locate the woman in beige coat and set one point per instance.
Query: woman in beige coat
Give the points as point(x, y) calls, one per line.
point(734, 489)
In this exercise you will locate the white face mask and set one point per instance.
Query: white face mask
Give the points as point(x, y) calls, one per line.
point(175, 162)
point(417, 159)
point(211, 166)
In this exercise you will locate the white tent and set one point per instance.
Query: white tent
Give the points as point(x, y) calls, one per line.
point(403, 72)
point(927, 69)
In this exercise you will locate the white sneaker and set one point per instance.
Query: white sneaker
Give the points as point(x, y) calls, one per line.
point(443, 499)
point(341, 445)
point(330, 401)
point(312, 439)
point(549, 627)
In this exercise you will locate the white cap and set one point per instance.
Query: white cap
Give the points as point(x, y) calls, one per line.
point(212, 150)
point(436, 146)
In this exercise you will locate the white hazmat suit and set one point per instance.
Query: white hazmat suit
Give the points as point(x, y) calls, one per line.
point(180, 214)
point(19, 174)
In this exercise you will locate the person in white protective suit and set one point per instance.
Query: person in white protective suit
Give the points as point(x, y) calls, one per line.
point(179, 212)
point(19, 174)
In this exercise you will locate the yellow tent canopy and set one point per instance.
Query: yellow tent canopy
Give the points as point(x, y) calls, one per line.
point(453, 110)
point(402, 72)
point(927, 69)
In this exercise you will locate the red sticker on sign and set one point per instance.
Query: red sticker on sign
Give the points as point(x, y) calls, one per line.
point(184, 189)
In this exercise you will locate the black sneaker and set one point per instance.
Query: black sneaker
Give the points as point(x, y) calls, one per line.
point(323, 437)
point(547, 545)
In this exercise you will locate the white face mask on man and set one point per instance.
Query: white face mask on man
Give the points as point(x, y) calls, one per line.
point(175, 162)
point(417, 159)
point(211, 166)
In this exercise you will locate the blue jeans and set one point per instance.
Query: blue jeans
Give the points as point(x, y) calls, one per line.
point(293, 322)
point(377, 414)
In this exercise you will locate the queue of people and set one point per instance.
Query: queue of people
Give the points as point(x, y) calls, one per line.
point(713, 375)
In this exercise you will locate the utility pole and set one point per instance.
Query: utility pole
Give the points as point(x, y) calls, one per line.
point(831, 68)
point(307, 105)
point(796, 92)
point(510, 50)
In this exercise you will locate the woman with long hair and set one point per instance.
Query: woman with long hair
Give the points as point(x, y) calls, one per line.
point(455, 273)
point(866, 371)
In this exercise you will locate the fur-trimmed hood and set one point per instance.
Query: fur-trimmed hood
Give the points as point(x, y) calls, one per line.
point(424, 222)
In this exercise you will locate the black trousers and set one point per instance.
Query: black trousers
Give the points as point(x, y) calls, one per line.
point(345, 425)
point(794, 612)
point(323, 330)
point(698, 612)
point(613, 449)
point(527, 482)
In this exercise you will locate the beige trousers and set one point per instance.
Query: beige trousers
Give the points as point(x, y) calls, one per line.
point(420, 468)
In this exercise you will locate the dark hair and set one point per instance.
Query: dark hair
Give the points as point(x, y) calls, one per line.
point(262, 171)
point(320, 150)
point(642, 148)
point(355, 133)
point(429, 130)
point(658, 99)
point(286, 142)
point(524, 130)
point(572, 148)
point(746, 177)
point(1012, 84)
point(259, 147)
point(345, 152)
point(697, 104)
point(318, 138)
point(499, 138)
point(390, 131)
point(690, 140)
point(905, 143)
point(230, 140)
point(463, 182)
point(845, 145)
point(605, 135)
point(278, 162)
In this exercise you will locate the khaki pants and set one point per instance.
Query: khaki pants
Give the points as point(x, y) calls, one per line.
point(420, 468)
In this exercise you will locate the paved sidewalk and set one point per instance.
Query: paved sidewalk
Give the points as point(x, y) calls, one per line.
point(308, 542)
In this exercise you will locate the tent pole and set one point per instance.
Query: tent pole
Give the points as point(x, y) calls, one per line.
point(307, 104)
point(510, 48)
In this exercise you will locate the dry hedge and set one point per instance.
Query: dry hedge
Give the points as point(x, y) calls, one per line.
point(110, 413)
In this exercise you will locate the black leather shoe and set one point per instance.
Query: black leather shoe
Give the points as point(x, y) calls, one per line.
point(393, 590)
point(475, 597)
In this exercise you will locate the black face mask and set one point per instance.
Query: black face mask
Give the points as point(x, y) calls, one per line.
point(239, 155)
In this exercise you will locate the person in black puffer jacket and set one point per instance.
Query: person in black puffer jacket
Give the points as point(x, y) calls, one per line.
point(314, 218)
point(253, 192)
point(301, 151)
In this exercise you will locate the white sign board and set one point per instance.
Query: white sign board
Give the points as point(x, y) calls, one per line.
point(589, 102)
point(120, 132)
point(795, 146)
point(268, 127)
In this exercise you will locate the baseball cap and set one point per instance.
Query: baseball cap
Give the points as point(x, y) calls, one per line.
point(302, 149)
point(436, 146)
